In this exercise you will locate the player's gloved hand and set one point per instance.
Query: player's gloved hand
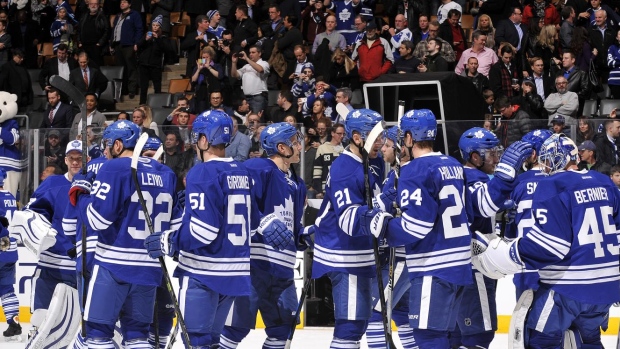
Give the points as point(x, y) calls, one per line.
point(374, 222)
point(512, 160)
point(5, 243)
point(82, 184)
point(510, 208)
point(48, 240)
point(4, 221)
point(305, 238)
point(181, 198)
point(72, 252)
point(159, 244)
point(275, 233)
point(385, 201)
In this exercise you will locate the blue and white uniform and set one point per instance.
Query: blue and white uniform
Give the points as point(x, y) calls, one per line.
point(8, 258)
point(346, 11)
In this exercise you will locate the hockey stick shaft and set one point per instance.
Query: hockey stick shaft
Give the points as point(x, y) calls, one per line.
point(149, 223)
point(387, 328)
point(302, 299)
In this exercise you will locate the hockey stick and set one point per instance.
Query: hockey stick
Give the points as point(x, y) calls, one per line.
point(302, 299)
point(134, 174)
point(392, 257)
point(342, 111)
point(78, 98)
point(370, 140)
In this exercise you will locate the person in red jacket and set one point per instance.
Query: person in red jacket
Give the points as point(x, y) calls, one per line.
point(373, 54)
point(541, 9)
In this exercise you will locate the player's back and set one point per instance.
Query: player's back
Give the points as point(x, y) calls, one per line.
point(8, 205)
point(434, 213)
point(276, 192)
point(523, 195)
point(214, 238)
point(577, 215)
point(336, 249)
point(116, 212)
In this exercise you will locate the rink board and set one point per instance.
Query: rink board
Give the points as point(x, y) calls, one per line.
point(505, 293)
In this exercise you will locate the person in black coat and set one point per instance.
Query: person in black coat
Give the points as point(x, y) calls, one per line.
point(50, 68)
point(194, 41)
point(286, 44)
point(93, 33)
point(97, 82)
point(152, 50)
point(58, 114)
point(406, 63)
point(506, 31)
point(25, 35)
point(14, 78)
point(245, 33)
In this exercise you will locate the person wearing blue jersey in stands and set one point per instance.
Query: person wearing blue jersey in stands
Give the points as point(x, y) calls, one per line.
point(124, 278)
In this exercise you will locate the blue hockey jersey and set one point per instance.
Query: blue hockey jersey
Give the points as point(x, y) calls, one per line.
point(8, 205)
point(214, 238)
point(279, 193)
point(72, 226)
point(434, 225)
point(10, 157)
point(387, 184)
point(50, 200)
point(522, 195)
point(338, 245)
point(345, 18)
point(574, 242)
point(113, 210)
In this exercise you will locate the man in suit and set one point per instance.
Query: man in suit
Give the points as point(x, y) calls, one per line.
point(93, 32)
point(61, 65)
point(602, 37)
point(513, 31)
point(88, 79)
point(57, 114)
point(544, 84)
point(193, 42)
point(14, 78)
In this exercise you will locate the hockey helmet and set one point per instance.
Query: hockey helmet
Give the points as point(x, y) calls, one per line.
point(556, 152)
point(216, 125)
point(536, 138)
point(421, 123)
point(477, 139)
point(275, 134)
point(123, 130)
point(361, 121)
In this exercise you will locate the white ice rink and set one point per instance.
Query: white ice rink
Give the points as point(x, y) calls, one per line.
point(308, 338)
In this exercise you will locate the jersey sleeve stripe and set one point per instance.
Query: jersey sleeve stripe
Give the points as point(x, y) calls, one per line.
point(485, 203)
point(202, 231)
point(415, 227)
point(556, 246)
point(584, 274)
point(96, 221)
point(361, 258)
point(347, 220)
point(69, 226)
point(439, 259)
point(175, 224)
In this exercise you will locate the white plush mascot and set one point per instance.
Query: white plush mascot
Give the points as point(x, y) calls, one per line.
point(10, 155)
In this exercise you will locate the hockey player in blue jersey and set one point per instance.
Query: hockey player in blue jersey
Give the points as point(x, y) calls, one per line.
point(55, 266)
point(434, 227)
point(124, 277)
point(400, 295)
point(573, 244)
point(522, 196)
point(8, 258)
point(343, 247)
point(281, 194)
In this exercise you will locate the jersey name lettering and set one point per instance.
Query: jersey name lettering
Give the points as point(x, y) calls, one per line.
point(451, 172)
point(238, 182)
point(591, 194)
point(152, 179)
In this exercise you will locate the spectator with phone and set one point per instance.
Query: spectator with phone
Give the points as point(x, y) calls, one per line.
point(304, 84)
point(206, 78)
point(253, 78)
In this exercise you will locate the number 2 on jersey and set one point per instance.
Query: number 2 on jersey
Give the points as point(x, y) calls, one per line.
point(163, 215)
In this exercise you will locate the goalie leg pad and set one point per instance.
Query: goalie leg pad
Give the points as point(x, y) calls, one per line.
point(61, 321)
point(516, 334)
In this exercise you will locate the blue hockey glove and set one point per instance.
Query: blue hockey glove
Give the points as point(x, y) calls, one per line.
point(374, 222)
point(385, 201)
point(512, 160)
point(181, 198)
point(275, 233)
point(159, 244)
point(511, 210)
point(82, 184)
point(305, 238)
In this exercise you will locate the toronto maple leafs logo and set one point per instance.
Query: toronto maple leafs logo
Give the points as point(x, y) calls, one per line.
point(122, 124)
point(345, 15)
point(537, 133)
point(479, 134)
point(285, 212)
point(271, 130)
point(356, 114)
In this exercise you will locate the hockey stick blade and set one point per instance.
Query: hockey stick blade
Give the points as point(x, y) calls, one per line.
point(375, 133)
point(137, 150)
point(158, 153)
point(65, 86)
point(342, 110)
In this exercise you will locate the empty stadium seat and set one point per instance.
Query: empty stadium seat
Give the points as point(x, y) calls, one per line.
point(607, 105)
point(158, 100)
point(590, 108)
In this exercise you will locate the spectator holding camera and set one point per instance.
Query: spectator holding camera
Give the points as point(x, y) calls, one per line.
point(206, 78)
point(193, 43)
point(171, 119)
point(253, 78)
point(304, 82)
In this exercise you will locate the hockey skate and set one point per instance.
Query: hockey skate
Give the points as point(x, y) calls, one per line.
point(13, 333)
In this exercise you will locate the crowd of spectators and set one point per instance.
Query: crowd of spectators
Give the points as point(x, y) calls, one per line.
point(534, 62)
